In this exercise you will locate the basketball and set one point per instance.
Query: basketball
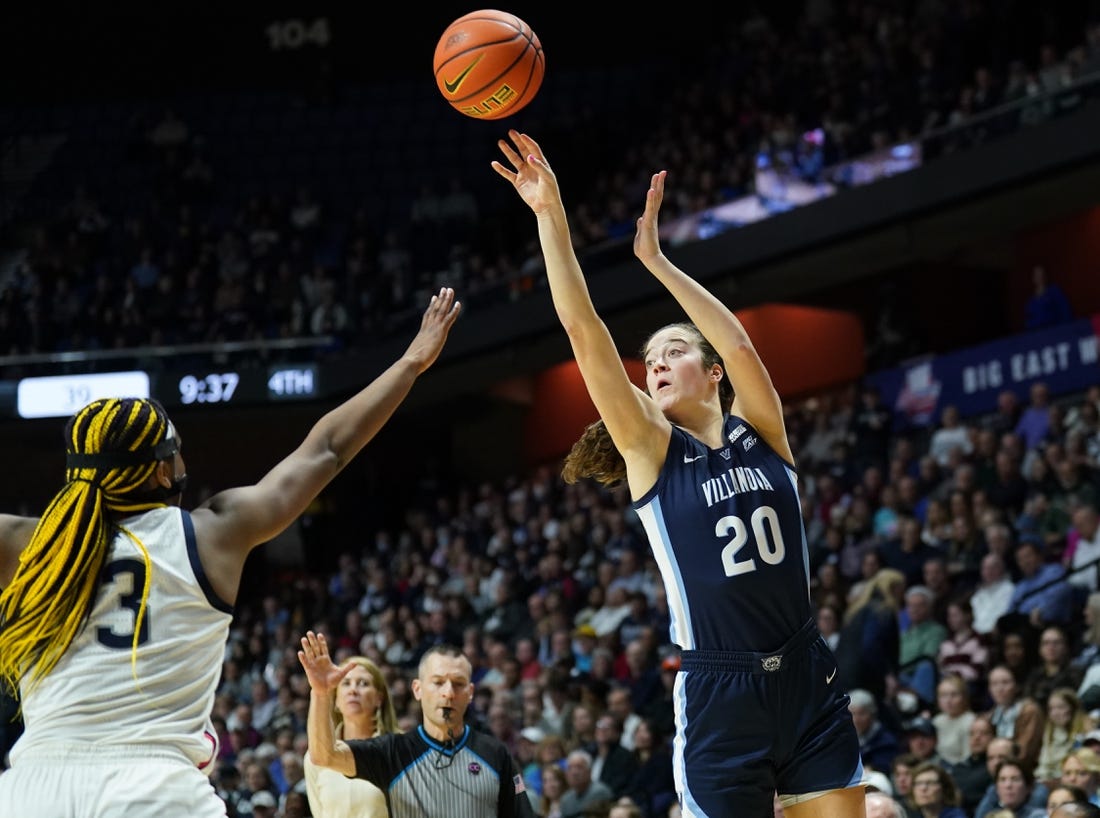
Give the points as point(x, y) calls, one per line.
point(488, 64)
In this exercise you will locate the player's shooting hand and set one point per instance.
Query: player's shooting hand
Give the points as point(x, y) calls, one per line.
point(532, 177)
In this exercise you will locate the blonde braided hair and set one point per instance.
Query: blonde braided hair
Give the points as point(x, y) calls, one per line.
point(112, 449)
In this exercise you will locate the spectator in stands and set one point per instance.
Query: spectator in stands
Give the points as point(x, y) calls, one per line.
point(938, 527)
point(972, 774)
point(1016, 646)
point(1081, 768)
point(935, 793)
point(1066, 725)
point(1084, 548)
point(584, 793)
point(1007, 489)
point(554, 787)
point(1034, 422)
point(941, 578)
point(953, 720)
point(963, 652)
point(907, 552)
point(877, 744)
point(919, 645)
point(1042, 594)
point(652, 787)
point(292, 774)
point(549, 752)
point(1043, 521)
point(257, 779)
point(263, 804)
point(819, 442)
point(582, 727)
point(999, 749)
point(1076, 810)
point(621, 708)
point(1082, 444)
point(1048, 304)
point(1014, 716)
point(999, 536)
point(870, 428)
point(952, 435)
point(993, 595)
point(1006, 415)
point(901, 777)
point(1073, 485)
point(881, 805)
point(920, 740)
point(1064, 794)
point(1089, 655)
point(885, 520)
point(867, 650)
point(1055, 669)
point(641, 676)
point(1015, 786)
point(828, 622)
point(612, 764)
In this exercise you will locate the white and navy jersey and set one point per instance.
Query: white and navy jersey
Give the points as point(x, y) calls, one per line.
point(725, 526)
point(98, 694)
point(473, 777)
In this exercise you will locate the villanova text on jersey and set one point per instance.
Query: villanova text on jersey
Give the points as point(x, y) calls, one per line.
point(734, 481)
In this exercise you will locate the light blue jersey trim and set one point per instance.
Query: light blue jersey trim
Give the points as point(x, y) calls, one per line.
point(653, 519)
point(792, 475)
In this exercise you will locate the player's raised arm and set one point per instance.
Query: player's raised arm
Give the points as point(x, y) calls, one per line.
point(323, 675)
point(231, 523)
point(756, 399)
point(635, 424)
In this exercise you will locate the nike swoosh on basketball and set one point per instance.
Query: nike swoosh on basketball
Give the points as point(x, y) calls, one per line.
point(693, 459)
point(452, 85)
point(830, 677)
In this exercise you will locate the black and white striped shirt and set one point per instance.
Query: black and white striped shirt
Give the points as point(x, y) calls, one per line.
point(472, 777)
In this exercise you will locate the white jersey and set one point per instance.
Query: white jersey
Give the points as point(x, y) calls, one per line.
point(97, 694)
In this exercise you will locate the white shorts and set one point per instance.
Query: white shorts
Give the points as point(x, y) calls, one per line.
point(112, 782)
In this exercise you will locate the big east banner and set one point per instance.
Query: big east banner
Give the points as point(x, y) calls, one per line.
point(1064, 357)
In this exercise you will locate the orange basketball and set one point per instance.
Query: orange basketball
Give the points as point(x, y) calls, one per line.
point(488, 64)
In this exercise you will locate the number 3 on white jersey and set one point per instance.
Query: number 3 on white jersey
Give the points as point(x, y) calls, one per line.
point(766, 534)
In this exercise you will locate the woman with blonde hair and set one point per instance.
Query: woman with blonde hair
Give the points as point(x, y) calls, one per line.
point(867, 648)
point(1066, 725)
point(362, 708)
point(953, 719)
point(554, 786)
point(1081, 768)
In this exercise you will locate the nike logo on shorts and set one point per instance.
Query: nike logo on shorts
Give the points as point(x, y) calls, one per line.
point(830, 677)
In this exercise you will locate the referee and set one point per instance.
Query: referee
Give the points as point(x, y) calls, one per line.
point(443, 769)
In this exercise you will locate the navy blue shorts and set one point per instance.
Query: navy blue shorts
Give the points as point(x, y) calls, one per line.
point(752, 724)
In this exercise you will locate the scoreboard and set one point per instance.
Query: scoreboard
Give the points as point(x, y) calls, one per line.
point(62, 395)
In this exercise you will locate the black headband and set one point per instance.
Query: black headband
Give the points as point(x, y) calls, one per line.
point(117, 460)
